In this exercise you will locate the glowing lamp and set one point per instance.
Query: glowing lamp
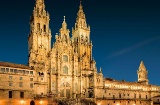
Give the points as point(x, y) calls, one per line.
point(22, 101)
point(99, 104)
point(41, 102)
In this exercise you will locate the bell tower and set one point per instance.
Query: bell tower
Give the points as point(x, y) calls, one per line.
point(39, 41)
point(40, 36)
point(81, 38)
point(142, 74)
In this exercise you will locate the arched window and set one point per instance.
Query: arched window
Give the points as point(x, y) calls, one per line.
point(44, 28)
point(65, 58)
point(65, 70)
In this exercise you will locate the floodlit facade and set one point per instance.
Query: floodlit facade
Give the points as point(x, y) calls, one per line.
point(66, 70)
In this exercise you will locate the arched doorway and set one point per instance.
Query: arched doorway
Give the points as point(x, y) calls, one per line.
point(32, 103)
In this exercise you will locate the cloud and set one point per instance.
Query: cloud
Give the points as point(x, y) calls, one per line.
point(128, 49)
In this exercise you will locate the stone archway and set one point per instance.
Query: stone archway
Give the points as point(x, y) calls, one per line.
point(32, 103)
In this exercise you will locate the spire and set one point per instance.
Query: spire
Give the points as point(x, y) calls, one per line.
point(39, 9)
point(142, 66)
point(81, 19)
point(142, 74)
point(80, 12)
point(100, 70)
point(64, 24)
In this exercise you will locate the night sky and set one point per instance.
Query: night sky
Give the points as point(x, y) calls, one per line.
point(123, 32)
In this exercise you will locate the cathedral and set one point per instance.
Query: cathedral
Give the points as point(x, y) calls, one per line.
point(67, 70)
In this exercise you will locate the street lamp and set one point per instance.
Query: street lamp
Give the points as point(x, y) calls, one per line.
point(41, 102)
point(22, 102)
point(99, 103)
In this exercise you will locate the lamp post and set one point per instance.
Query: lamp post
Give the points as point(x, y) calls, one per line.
point(41, 102)
point(22, 102)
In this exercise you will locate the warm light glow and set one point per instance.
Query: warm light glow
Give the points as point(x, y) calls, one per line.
point(134, 104)
point(22, 101)
point(118, 104)
point(41, 102)
point(99, 104)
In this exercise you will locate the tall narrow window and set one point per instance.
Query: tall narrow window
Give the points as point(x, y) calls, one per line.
point(62, 93)
point(10, 94)
point(65, 58)
point(53, 71)
point(44, 28)
point(31, 85)
point(21, 94)
point(119, 95)
point(53, 85)
point(146, 96)
point(65, 70)
point(38, 26)
point(76, 87)
point(139, 96)
point(20, 78)
point(134, 95)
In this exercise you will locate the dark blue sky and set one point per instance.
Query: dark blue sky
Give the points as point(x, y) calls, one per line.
point(123, 32)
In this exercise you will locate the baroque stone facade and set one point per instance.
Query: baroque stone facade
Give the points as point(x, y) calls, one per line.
point(67, 70)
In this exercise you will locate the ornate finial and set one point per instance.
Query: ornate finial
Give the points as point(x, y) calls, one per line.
point(80, 5)
point(142, 65)
point(64, 18)
point(100, 70)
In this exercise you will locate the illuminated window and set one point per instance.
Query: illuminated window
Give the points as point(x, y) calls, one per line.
point(65, 70)
point(65, 58)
